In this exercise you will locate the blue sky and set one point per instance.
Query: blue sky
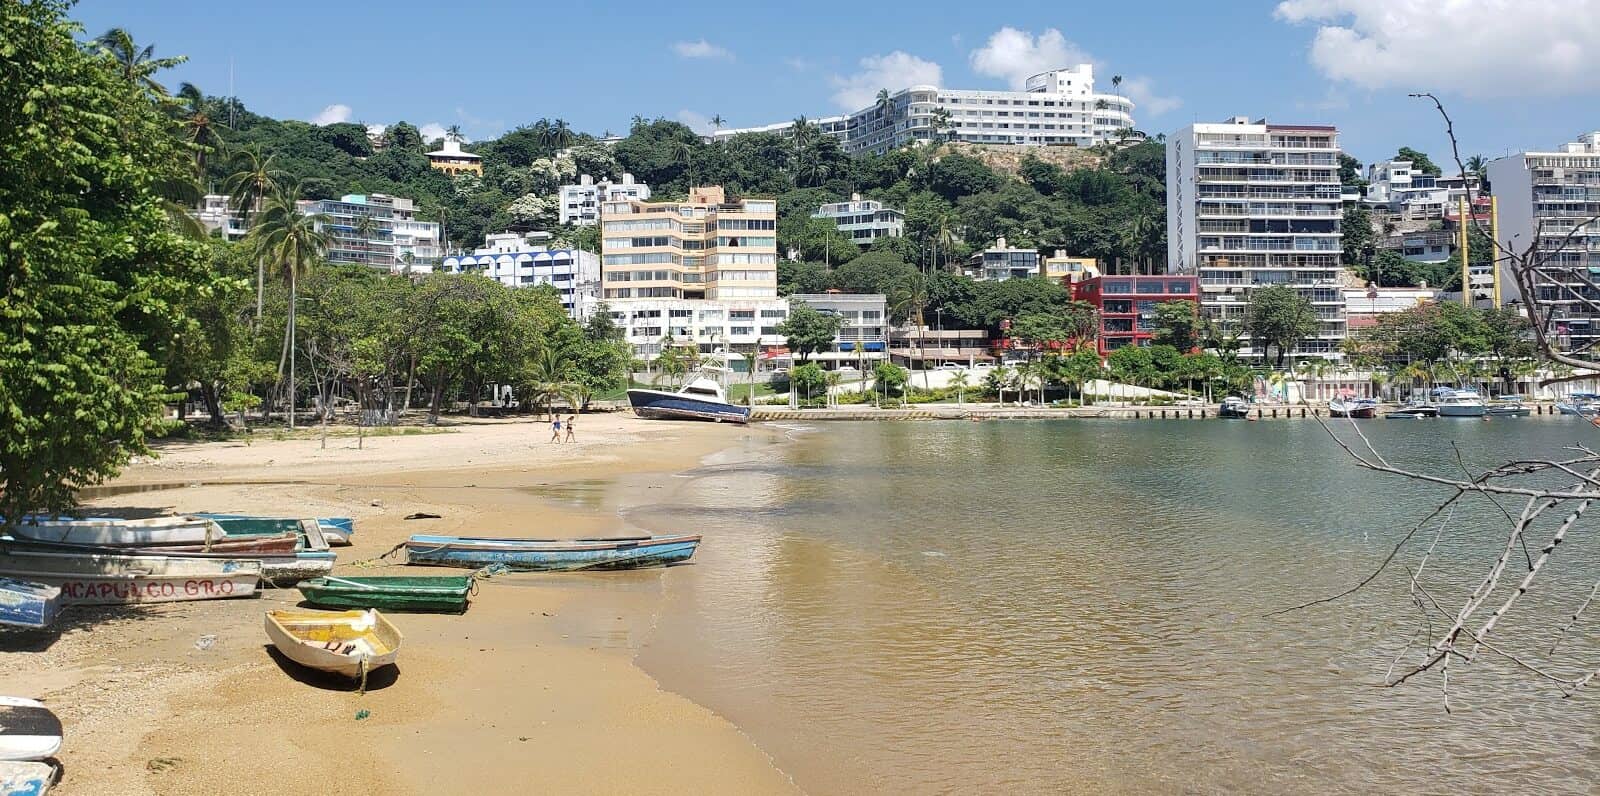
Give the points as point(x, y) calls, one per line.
point(1517, 74)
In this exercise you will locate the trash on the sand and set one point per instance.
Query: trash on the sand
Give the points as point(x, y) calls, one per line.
point(377, 503)
point(362, 713)
point(205, 642)
point(162, 763)
point(422, 515)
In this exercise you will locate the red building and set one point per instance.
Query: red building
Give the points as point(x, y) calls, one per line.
point(1127, 305)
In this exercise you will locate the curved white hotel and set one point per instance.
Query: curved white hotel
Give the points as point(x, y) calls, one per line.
point(1055, 108)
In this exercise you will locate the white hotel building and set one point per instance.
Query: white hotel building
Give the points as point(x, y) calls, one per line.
point(1544, 197)
point(1055, 108)
point(527, 261)
point(580, 203)
point(1252, 204)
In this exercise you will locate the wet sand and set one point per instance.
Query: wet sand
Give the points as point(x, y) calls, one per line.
point(533, 689)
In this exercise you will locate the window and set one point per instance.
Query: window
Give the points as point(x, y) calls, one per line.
point(1117, 286)
point(1147, 286)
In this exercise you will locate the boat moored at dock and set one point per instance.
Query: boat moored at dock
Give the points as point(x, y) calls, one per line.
point(1233, 407)
point(1458, 403)
point(1353, 407)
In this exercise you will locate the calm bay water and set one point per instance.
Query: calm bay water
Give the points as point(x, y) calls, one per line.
point(1083, 606)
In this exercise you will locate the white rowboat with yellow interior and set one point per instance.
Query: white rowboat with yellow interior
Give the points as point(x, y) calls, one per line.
point(350, 643)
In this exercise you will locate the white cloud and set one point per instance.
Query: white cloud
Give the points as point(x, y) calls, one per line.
point(376, 129)
point(701, 49)
point(1146, 102)
point(432, 131)
point(894, 71)
point(1015, 55)
point(1478, 48)
point(698, 122)
point(333, 114)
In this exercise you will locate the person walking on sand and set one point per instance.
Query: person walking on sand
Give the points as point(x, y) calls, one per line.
point(555, 428)
point(571, 418)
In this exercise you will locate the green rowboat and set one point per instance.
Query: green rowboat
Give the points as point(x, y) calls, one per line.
point(447, 594)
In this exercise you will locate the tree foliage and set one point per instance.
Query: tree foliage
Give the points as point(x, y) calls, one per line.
point(96, 284)
point(1279, 317)
point(809, 330)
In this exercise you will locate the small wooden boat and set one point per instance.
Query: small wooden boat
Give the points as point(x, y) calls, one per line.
point(350, 643)
point(28, 604)
point(447, 594)
point(336, 530)
point(96, 578)
point(28, 730)
point(26, 779)
point(264, 543)
point(551, 554)
point(119, 532)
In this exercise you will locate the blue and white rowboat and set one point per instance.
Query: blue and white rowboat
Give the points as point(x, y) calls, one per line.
point(336, 530)
point(701, 399)
point(551, 554)
point(28, 604)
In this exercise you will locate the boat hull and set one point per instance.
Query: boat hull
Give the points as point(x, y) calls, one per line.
point(551, 555)
point(87, 578)
point(305, 638)
point(28, 604)
point(1508, 411)
point(1461, 410)
point(1412, 414)
point(26, 778)
point(336, 530)
point(444, 594)
point(658, 405)
point(28, 730)
point(118, 532)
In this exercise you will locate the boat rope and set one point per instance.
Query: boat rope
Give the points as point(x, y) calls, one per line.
point(378, 560)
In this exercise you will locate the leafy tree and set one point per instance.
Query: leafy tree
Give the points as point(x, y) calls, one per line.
point(1419, 160)
point(1279, 317)
point(1130, 364)
point(1177, 324)
point(1076, 368)
point(807, 379)
point(795, 277)
point(93, 278)
point(889, 379)
point(1350, 172)
point(955, 176)
point(1360, 243)
point(808, 330)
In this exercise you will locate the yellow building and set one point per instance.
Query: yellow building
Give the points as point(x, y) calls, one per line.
point(703, 247)
point(452, 160)
point(1069, 270)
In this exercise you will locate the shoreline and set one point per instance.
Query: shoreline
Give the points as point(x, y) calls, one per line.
point(540, 675)
point(980, 412)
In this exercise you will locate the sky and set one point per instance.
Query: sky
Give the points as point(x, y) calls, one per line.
point(1515, 74)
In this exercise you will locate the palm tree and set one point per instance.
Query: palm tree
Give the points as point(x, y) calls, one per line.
point(882, 102)
point(1116, 85)
point(249, 187)
point(294, 242)
point(958, 380)
point(197, 125)
point(1478, 166)
point(941, 124)
point(550, 378)
point(453, 133)
point(717, 122)
point(138, 65)
point(751, 358)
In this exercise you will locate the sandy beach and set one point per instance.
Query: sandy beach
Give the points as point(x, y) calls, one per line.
point(533, 689)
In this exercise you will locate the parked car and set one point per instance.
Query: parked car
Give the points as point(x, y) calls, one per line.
point(950, 366)
point(984, 365)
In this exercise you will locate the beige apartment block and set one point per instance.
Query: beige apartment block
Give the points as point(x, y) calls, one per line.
point(702, 247)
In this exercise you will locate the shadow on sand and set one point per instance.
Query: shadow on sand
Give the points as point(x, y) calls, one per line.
point(377, 680)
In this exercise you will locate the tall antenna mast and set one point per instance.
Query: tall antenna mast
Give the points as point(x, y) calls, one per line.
point(232, 103)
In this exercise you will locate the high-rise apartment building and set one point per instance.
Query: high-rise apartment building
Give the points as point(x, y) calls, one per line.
point(702, 247)
point(1547, 198)
point(1055, 108)
point(580, 203)
point(1253, 204)
point(377, 230)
